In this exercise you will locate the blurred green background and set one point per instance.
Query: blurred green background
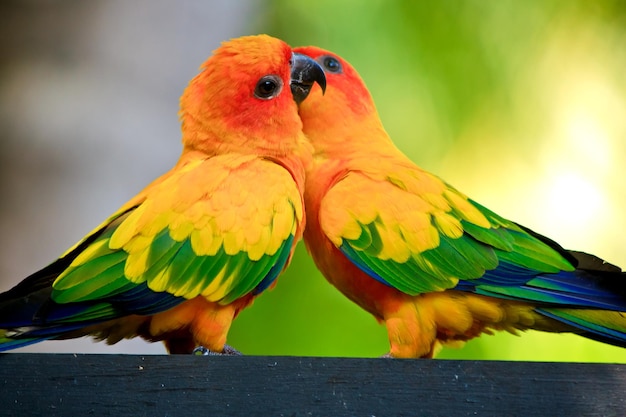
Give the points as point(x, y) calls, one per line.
point(520, 105)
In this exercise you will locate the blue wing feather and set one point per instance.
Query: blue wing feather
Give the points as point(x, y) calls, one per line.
point(277, 268)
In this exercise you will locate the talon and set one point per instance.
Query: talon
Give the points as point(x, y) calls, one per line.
point(202, 351)
point(228, 351)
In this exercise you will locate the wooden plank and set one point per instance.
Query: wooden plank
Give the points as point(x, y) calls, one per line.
point(114, 385)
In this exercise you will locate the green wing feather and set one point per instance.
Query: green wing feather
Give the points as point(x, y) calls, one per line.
point(416, 233)
point(209, 228)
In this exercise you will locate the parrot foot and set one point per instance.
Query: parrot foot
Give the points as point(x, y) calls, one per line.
point(387, 356)
point(228, 351)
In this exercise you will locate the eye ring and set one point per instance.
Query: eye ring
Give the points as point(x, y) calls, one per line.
point(268, 87)
point(331, 64)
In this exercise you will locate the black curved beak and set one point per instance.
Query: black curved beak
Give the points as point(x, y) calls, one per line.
point(304, 73)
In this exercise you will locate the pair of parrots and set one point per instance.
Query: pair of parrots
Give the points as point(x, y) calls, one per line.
point(270, 157)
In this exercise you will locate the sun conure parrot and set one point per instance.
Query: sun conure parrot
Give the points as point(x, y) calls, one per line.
point(435, 266)
point(180, 260)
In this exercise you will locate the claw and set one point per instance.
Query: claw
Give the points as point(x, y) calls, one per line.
point(228, 351)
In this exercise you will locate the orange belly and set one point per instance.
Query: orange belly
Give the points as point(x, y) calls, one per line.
point(195, 322)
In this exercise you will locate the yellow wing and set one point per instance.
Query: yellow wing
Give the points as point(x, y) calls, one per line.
point(218, 227)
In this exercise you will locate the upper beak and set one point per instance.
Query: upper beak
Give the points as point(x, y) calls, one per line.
point(304, 73)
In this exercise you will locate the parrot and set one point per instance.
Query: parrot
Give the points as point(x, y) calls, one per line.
point(182, 258)
point(434, 266)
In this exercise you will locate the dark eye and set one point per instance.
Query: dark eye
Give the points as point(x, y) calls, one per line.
point(268, 87)
point(331, 64)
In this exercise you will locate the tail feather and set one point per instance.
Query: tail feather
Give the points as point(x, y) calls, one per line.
point(579, 289)
point(603, 326)
point(28, 335)
point(31, 318)
point(591, 300)
point(10, 344)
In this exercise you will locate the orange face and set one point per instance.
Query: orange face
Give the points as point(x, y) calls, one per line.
point(242, 98)
point(345, 88)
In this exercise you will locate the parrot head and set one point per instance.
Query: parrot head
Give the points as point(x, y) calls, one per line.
point(245, 98)
point(347, 115)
